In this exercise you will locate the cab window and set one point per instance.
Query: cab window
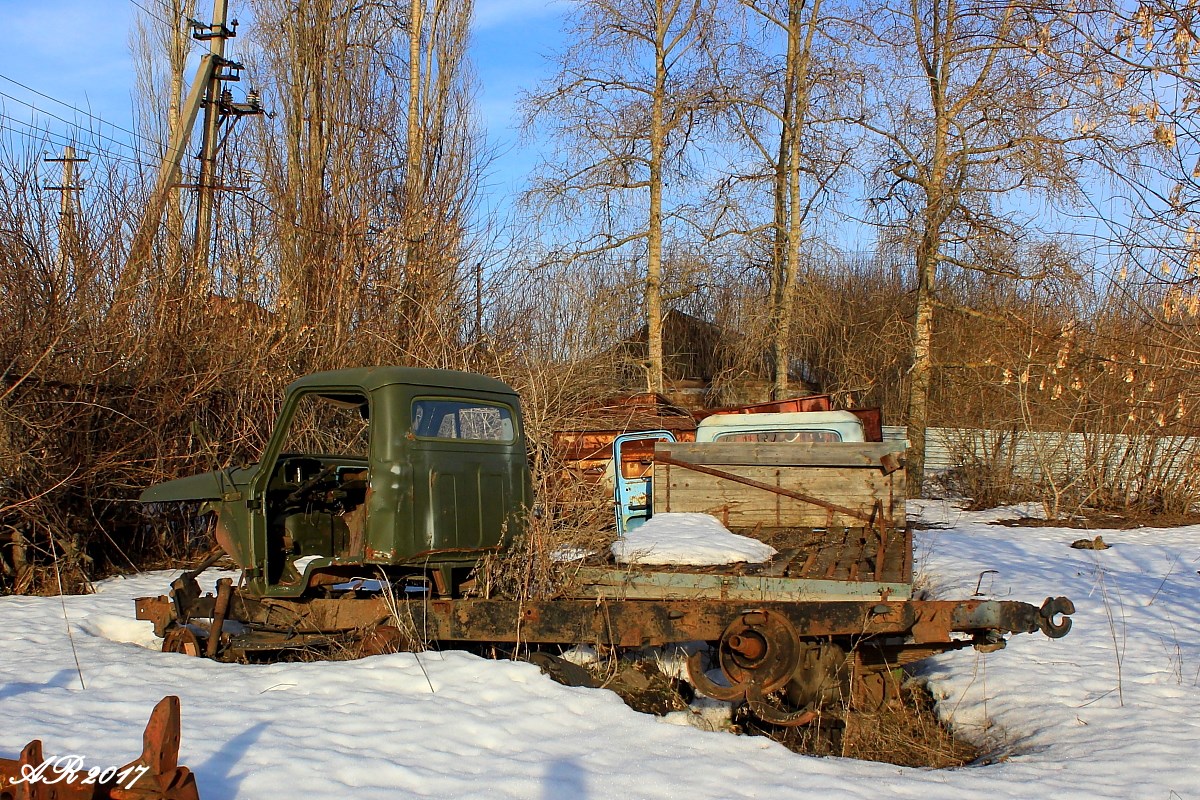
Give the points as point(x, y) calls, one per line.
point(437, 418)
point(756, 437)
point(329, 424)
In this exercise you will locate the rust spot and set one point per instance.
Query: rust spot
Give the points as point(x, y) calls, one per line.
point(157, 610)
point(934, 623)
point(380, 555)
point(356, 523)
point(229, 542)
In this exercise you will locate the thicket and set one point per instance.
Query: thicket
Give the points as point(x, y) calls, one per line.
point(361, 239)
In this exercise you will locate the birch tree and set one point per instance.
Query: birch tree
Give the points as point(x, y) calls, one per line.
point(981, 111)
point(790, 95)
point(1150, 49)
point(442, 159)
point(622, 110)
point(160, 45)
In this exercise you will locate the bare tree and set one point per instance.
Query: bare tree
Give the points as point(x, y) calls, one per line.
point(443, 159)
point(370, 168)
point(787, 80)
point(977, 112)
point(160, 44)
point(622, 109)
point(1150, 49)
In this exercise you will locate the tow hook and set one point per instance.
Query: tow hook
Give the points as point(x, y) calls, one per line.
point(1053, 607)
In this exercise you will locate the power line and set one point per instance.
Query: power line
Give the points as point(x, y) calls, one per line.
point(191, 42)
point(117, 142)
point(33, 131)
point(77, 110)
point(62, 140)
point(162, 19)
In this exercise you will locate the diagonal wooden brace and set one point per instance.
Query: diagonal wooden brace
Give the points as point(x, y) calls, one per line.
point(729, 476)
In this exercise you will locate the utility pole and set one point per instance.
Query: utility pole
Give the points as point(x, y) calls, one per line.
point(67, 203)
point(216, 34)
point(218, 105)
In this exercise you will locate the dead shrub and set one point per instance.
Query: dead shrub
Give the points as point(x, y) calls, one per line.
point(570, 522)
point(907, 732)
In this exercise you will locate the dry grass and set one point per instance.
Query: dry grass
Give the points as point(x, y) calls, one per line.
point(907, 732)
point(572, 518)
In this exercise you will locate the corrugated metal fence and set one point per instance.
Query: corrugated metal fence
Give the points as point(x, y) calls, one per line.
point(1033, 454)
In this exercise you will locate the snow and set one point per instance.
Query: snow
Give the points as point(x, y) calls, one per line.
point(1106, 712)
point(692, 539)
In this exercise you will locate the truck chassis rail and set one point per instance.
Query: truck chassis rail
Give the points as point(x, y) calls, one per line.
point(758, 646)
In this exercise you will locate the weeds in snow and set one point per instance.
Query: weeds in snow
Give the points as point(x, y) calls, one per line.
point(1118, 640)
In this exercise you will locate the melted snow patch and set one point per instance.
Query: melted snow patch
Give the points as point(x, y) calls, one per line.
point(693, 539)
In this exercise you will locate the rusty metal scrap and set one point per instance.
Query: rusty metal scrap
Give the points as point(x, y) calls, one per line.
point(154, 775)
point(757, 645)
point(623, 623)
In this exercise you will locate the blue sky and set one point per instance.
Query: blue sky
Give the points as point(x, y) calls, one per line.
point(78, 51)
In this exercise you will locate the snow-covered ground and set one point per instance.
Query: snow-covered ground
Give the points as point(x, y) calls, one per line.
point(1108, 711)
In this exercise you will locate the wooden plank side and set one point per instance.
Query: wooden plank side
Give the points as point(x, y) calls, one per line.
point(621, 585)
point(678, 489)
point(866, 455)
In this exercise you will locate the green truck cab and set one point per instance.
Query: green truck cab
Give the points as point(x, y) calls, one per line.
point(419, 471)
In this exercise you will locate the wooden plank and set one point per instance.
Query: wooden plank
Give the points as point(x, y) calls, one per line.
point(678, 489)
point(826, 559)
point(776, 489)
point(897, 557)
point(778, 566)
point(857, 561)
point(877, 455)
point(617, 584)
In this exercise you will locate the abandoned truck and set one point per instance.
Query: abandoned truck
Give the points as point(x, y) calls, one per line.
point(381, 489)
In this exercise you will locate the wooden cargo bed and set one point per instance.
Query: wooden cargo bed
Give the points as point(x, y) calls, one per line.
point(813, 563)
point(856, 546)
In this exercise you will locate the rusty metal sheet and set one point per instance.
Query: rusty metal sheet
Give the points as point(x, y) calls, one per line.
point(154, 775)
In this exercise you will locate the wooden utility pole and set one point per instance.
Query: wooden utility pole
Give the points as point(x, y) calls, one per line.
point(206, 91)
point(67, 203)
point(216, 34)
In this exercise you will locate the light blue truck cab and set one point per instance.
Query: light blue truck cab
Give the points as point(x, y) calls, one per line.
point(804, 426)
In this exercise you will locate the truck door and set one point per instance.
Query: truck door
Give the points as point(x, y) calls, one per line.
point(467, 475)
point(633, 471)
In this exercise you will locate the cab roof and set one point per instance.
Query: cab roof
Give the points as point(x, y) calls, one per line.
point(372, 378)
point(788, 420)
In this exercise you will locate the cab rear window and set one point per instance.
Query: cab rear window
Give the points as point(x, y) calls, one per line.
point(756, 437)
point(439, 418)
